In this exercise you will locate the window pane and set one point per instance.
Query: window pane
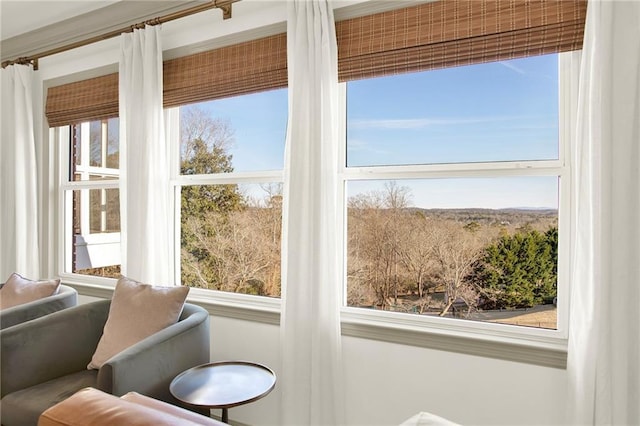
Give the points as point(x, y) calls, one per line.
point(230, 237)
point(113, 143)
point(92, 216)
point(481, 249)
point(95, 222)
point(95, 150)
point(241, 133)
point(95, 144)
point(499, 111)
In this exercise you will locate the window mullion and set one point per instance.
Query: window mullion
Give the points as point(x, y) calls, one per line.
point(230, 178)
point(529, 168)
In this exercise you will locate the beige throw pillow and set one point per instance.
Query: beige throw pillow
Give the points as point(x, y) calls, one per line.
point(18, 290)
point(137, 311)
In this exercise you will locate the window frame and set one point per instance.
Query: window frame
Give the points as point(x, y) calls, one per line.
point(177, 181)
point(541, 346)
point(61, 137)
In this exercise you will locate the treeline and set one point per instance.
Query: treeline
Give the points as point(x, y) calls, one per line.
point(229, 240)
point(399, 257)
point(406, 259)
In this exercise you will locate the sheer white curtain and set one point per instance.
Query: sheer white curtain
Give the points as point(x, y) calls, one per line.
point(144, 163)
point(311, 292)
point(19, 176)
point(604, 334)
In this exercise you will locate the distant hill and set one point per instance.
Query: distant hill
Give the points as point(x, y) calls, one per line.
point(509, 216)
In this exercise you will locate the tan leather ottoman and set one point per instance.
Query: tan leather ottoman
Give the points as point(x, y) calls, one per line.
point(90, 406)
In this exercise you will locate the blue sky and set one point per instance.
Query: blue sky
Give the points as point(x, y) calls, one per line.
point(498, 111)
point(259, 121)
point(501, 111)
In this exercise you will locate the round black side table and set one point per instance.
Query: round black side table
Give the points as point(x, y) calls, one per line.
point(223, 385)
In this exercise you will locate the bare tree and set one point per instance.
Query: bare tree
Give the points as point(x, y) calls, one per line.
point(376, 235)
point(416, 252)
point(367, 271)
point(196, 124)
point(398, 199)
point(456, 249)
point(241, 254)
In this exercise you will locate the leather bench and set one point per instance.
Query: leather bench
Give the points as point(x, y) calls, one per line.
point(90, 406)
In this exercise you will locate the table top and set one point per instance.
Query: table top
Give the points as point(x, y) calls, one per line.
point(223, 384)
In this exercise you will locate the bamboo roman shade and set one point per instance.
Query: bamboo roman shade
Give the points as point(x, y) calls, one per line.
point(449, 33)
point(228, 71)
point(233, 70)
point(86, 100)
point(438, 34)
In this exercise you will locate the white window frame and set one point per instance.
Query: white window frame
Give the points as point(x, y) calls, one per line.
point(85, 170)
point(535, 345)
point(234, 301)
point(61, 140)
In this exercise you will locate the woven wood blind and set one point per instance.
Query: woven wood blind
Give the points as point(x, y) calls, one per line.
point(443, 33)
point(450, 33)
point(86, 100)
point(232, 70)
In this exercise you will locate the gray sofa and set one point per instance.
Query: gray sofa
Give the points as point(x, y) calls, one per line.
point(44, 361)
point(66, 297)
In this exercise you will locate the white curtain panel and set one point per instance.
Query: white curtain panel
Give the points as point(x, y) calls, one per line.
point(144, 163)
point(310, 377)
point(19, 176)
point(604, 332)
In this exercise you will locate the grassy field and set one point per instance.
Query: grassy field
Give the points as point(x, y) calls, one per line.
point(544, 316)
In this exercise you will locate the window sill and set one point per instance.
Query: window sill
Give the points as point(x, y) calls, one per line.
point(536, 347)
point(248, 308)
point(496, 341)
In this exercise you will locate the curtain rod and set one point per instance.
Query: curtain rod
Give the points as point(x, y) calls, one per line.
point(224, 5)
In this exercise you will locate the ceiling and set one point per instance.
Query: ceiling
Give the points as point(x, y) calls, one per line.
point(31, 27)
point(28, 28)
point(20, 16)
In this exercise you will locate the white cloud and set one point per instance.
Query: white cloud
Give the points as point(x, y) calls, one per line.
point(419, 123)
point(359, 145)
point(512, 67)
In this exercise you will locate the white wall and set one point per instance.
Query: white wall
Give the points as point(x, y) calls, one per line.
point(385, 383)
point(389, 382)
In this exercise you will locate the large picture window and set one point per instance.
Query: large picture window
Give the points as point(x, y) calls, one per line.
point(455, 169)
point(458, 213)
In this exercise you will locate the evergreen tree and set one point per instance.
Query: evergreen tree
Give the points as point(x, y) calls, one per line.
point(518, 270)
point(204, 210)
point(198, 200)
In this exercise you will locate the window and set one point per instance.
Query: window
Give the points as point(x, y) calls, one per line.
point(231, 159)
point(452, 164)
point(229, 195)
point(232, 112)
point(91, 199)
point(453, 180)
point(226, 112)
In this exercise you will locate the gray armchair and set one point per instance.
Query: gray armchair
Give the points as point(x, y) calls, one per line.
point(44, 361)
point(66, 297)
